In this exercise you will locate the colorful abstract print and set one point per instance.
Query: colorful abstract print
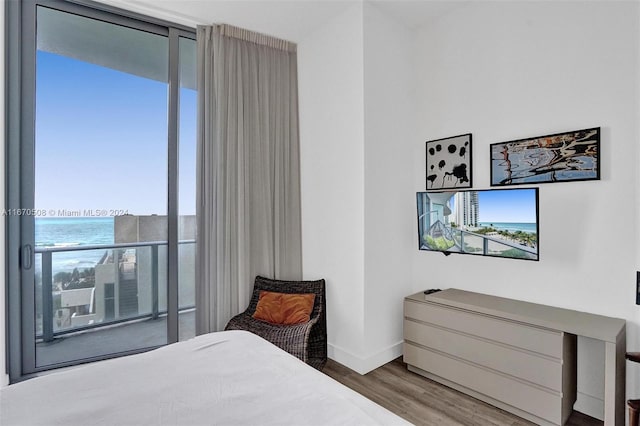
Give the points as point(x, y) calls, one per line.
point(555, 158)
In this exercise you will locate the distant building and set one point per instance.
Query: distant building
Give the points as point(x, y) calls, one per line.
point(132, 281)
point(467, 209)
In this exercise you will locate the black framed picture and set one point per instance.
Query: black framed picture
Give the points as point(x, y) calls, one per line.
point(561, 157)
point(449, 163)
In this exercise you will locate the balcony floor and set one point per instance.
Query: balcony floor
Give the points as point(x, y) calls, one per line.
point(111, 339)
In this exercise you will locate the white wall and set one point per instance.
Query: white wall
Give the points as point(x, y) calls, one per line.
point(509, 70)
point(502, 71)
point(357, 129)
point(330, 64)
point(390, 134)
point(633, 342)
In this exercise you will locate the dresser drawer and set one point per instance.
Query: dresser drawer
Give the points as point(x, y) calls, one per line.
point(529, 366)
point(542, 403)
point(544, 341)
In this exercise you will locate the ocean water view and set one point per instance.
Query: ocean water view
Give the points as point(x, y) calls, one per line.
point(73, 232)
point(511, 226)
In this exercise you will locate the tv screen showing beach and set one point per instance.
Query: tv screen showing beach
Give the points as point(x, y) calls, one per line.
point(501, 223)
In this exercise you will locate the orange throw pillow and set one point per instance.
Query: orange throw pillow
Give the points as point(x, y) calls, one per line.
point(284, 308)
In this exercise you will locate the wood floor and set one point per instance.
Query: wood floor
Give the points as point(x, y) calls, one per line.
point(424, 402)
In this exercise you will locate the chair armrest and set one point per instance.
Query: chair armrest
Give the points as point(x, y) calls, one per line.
point(633, 356)
point(291, 338)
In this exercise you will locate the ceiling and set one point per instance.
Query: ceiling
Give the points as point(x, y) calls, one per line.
point(145, 54)
point(288, 19)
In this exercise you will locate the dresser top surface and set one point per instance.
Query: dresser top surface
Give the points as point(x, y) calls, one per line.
point(574, 322)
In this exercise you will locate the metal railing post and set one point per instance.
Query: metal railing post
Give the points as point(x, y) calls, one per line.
point(485, 245)
point(154, 281)
point(47, 297)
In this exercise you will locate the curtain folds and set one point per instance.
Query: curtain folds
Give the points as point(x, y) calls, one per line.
point(248, 170)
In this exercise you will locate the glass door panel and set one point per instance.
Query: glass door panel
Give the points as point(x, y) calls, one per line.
point(100, 188)
point(187, 189)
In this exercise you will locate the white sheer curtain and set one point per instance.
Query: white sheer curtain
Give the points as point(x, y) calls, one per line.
point(248, 171)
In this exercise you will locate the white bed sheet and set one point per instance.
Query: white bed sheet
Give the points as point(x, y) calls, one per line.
point(226, 378)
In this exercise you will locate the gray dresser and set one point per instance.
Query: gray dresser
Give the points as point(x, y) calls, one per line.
point(515, 355)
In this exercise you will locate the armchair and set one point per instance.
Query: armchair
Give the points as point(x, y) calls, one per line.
point(306, 341)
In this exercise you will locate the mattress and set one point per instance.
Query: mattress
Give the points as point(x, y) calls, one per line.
point(225, 378)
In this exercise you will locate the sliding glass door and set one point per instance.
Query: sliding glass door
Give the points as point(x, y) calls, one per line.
point(187, 189)
point(104, 193)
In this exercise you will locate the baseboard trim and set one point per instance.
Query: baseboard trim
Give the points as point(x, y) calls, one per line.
point(363, 365)
point(344, 357)
point(590, 405)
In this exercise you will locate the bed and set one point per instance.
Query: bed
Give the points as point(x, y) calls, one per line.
point(225, 378)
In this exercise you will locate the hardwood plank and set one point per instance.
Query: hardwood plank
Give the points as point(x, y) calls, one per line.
point(424, 402)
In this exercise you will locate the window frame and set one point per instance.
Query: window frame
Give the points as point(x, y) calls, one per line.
point(20, 54)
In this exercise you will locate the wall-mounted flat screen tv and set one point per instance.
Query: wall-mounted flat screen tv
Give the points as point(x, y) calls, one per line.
point(492, 222)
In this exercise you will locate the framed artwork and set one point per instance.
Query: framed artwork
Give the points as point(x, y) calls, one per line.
point(449, 163)
point(561, 157)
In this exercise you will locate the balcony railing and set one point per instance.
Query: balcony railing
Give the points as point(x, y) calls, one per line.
point(470, 242)
point(129, 284)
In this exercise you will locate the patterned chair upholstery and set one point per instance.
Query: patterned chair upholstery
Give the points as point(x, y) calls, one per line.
point(306, 341)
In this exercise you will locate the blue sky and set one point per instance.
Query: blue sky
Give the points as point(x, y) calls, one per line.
point(514, 205)
point(101, 139)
